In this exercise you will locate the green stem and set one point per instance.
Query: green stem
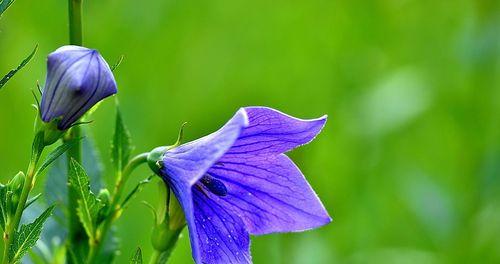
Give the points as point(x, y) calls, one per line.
point(155, 257)
point(75, 22)
point(29, 182)
point(75, 230)
point(76, 233)
point(115, 209)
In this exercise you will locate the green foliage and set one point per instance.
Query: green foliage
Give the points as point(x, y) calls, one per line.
point(9, 197)
point(4, 212)
point(137, 258)
point(121, 145)
point(26, 236)
point(4, 4)
point(88, 204)
point(56, 153)
point(37, 147)
point(12, 72)
point(32, 200)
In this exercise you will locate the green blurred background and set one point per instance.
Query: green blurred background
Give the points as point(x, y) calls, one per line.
point(409, 162)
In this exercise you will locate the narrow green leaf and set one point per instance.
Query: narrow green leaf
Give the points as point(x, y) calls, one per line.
point(4, 4)
point(137, 258)
point(37, 147)
point(3, 206)
point(121, 145)
point(11, 73)
point(26, 237)
point(88, 204)
point(56, 153)
point(136, 189)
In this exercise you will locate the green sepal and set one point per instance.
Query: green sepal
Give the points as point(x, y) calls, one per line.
point(155, 157)
point(117, 63)
point(51, 133)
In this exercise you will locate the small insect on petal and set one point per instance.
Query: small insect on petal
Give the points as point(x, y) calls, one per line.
point(214, 186)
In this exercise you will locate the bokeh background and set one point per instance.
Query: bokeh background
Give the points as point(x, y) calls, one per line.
point(409, 162)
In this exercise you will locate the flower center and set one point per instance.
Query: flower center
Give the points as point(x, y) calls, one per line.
point(213, 185)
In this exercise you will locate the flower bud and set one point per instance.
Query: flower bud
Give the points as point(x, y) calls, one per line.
point(15, 187)
point(105, 197)
point(163, 238)
point(77, 79)
point(170, 221)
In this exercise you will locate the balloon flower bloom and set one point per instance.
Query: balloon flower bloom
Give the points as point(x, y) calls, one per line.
point(238, 182)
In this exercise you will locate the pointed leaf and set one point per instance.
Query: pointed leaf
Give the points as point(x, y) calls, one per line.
point(56, 153)
point(4, 4)
point(26, 237)
point(32, 200)
point(3, 206)
point(88, 204)
point(137, 258)
point(121, 145)
point(11, 73)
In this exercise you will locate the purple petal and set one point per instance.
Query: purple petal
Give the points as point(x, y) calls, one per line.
point(269, 193)
point(221, 234)
point(185, 165)
point(273, 132)
point(189, 162)
point(263, 190)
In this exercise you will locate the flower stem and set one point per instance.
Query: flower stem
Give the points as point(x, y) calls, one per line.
point(75, 22)
point(115, 208)
point(29, 182)
point(75, 38)
point(75, 228)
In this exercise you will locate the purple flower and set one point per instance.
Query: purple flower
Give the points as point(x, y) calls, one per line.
point(237, 182)
point(77, 79)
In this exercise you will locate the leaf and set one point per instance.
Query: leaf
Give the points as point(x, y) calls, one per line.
point(4, 4)
point(121, 145)
point(56, 153)
point(32, 200)
point(88, 204)
point(3, 206)
point(55, 179)
point(26, 237)
point(55, 192)
point(37, 147)
point(137, 258)
point(136, 189)
point(11, 73)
